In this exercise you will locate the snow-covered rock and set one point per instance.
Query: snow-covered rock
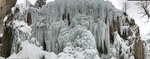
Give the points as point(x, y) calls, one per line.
point(28, 50)
point(32, 51)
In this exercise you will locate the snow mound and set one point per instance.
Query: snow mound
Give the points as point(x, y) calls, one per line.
point(29, 51)
point(32, 51)
point(21, 26)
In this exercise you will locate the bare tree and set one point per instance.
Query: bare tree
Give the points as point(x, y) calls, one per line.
point(144, 5)
point(126, 6)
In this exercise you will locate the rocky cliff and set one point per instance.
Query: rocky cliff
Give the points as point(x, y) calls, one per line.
point(5, 9)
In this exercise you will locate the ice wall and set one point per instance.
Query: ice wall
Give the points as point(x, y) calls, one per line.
point(98, 16)
point(76, 12)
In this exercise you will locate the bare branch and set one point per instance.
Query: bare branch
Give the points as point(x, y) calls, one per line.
point(144, 5)
point(126, 6)
point(143, 15)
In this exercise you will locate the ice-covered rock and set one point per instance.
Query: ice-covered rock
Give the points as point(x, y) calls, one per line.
point(26, 51)
point(21, 33)
point(124, 49)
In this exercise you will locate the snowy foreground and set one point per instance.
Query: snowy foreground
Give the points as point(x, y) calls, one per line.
point(71, 29)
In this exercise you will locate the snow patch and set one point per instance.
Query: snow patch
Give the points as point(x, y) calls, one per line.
point(29, 51)
point(22, 26)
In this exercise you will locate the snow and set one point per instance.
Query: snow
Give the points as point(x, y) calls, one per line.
point(2, 58)
point(23, 1)
point(21, 26)
point(49, 1)
point(143, 25)
point(84, 34)
point(29, 51)
point(132, 57)
point(77, 36)
point(21, 33)
point(50, 55)
point(5, 19)
point(1, 34)
point(123, 46)
point(113, 58)
point(71, 52)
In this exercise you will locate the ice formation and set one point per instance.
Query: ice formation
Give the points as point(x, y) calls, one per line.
point(73, 29)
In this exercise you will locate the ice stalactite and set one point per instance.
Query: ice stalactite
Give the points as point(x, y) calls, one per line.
point(53, 33)
point(82, 20)
point(100, 33)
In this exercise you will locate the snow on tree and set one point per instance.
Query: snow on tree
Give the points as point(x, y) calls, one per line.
point(144, 5)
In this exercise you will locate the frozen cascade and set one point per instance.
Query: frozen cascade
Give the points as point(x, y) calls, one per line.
point(78, 36)
point(82, 12)
point(83, 43)
point(52, 35)
point(82, 48)
point(48, 21)
point(100, 32)
point(70, 28)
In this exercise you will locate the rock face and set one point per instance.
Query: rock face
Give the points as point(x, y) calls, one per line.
point(139, 50)
point(5, 9)
point(7, 39)
point(29, 19)
point(7, 42)
point(8, 36)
